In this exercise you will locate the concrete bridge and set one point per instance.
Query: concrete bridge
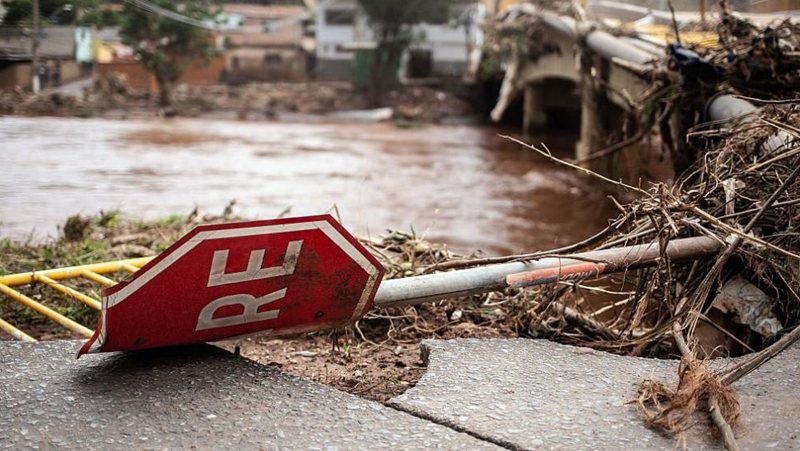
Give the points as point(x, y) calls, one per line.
point(604, 74)
point(604, 71)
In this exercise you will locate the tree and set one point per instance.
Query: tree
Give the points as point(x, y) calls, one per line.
point(93, 13)
point(62, 12)
point(166, 42)
point(392, 22)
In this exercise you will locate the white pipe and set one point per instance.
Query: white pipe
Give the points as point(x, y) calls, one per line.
point(483, 279)
point(600, 42)
point(726, 107)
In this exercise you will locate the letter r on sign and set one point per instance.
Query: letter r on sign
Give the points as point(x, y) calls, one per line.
point(251, 314)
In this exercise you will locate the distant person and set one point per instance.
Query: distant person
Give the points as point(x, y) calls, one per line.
point(44, 76)
point(57, 74)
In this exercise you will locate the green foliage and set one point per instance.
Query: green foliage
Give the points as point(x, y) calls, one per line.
point(108, 219)
point(165, 46)
point(173, 219)
point(64, 12)
point(21, 11)
point(17, 11)
point(94, 14)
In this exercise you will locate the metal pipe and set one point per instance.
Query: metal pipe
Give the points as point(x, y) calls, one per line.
point(600, 42)
point(724, 108)
point(435, 287)
point(727, 107)
point(14, 332)
point(652, 48)
point(610, 46)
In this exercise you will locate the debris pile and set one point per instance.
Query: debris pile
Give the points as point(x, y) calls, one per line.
point(743, 191)
point(736, 182)
point(112, 98)
point(718, 197)
point(725, 175)
point(760, 63)
point(517, 32)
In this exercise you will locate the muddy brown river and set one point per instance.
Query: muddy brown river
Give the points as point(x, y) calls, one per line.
point(457, 184)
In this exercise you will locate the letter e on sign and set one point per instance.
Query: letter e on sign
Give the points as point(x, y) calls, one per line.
point(228, 280)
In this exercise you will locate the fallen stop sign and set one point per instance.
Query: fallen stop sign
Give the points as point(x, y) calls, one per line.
point(229, 280)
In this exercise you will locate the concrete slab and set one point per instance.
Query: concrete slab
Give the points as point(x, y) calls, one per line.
point(190, 398)
point(539, 395)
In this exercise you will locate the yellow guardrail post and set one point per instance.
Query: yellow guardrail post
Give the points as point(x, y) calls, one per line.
point(130, 268)
point(16, 333)
point(50, 278)
point(46, 311)
point(74, 271)
point(91, 275)
point(93, 303)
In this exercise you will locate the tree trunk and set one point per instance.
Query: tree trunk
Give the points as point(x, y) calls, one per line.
point(164, 90)
point(384, 61)
point(376, 88)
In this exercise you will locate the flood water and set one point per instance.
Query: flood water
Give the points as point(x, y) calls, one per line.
point(461, 185)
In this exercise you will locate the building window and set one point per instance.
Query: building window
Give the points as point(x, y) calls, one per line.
point(340, 16)
point(271, 26)
point(272, 59)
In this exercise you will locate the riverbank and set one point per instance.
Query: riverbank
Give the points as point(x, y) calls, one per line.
point(309, 101)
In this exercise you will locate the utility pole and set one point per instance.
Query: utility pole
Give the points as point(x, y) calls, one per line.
point(703, 11)
point(35, 48)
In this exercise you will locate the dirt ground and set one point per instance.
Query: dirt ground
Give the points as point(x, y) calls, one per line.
point(374, 372)
point(377, 371)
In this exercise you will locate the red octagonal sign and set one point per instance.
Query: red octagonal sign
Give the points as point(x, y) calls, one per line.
point(228, 280)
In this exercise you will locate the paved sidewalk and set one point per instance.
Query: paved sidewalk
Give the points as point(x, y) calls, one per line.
point(520, 394)
point(197, 397)
point(537, 395)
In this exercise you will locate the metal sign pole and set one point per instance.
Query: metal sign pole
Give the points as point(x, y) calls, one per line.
point(435, 287)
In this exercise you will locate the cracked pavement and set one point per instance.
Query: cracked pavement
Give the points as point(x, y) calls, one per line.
point(539, 395)
point(515, 394)
point(197, 397)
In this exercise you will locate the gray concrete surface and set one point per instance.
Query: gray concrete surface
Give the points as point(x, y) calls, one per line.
point(190, 398)
point(538, 395)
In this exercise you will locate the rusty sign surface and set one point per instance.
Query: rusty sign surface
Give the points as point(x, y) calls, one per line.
point(228, 280)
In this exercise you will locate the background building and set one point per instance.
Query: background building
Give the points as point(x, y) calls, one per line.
point(451, 48)
point(56, 56)
point(265, 42)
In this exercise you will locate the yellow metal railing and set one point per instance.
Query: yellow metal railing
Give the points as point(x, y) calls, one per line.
point(666, 34)
point(52, 278)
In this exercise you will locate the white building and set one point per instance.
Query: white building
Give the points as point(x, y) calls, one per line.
point(453, 48)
